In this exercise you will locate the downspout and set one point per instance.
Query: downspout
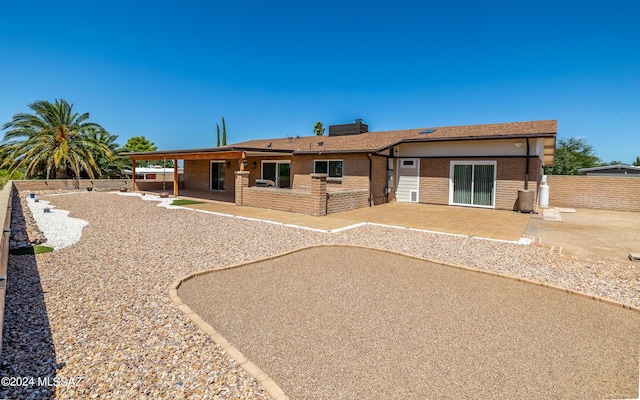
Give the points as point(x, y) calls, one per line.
point(526, 173)
point(370, 173)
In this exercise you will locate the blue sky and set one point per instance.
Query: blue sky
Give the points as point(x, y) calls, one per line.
point(169, 70)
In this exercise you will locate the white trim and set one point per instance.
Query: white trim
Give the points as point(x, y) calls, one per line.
point(276, 162)
point(414, 162)
point(416, 167)
point(452, 163)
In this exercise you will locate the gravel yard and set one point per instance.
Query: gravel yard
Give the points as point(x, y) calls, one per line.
point(104, 316)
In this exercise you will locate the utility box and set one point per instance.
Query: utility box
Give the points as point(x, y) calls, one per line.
point(525, 200)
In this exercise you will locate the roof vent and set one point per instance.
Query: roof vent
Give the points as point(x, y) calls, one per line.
point(427, 131)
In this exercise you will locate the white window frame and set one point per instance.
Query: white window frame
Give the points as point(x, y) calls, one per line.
point(327, 161)
point(414, 163)
point(263, 162)
point(453, 163)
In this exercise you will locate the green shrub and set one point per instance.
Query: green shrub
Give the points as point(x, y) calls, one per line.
point(182, 202)
point(31, 250)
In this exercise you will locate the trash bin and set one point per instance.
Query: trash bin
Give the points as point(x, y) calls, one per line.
point(525, 200)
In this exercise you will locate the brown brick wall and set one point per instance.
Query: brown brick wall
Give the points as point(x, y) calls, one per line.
point(5, 217)
point(378, 179)
point(71, 184)
point(355, 171)
point(599, 192)
point(347, 200)
point(510, 172)
point(277, 199)
point(197, 174)
point(314, 201)
point(434, 181)
point(510, 179)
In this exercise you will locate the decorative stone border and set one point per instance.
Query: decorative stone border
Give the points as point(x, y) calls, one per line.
point(269, 384)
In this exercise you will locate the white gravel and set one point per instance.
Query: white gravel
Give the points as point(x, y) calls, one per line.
point(60, 230)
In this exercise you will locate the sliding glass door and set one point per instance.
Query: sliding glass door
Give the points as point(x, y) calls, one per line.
point(217, 175)
point(278, 172)
point(473, 183)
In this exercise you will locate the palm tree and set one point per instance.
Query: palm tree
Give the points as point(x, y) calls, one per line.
point(111, 165)
point(55, 142)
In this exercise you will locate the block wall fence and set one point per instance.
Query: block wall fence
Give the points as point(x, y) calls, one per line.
point(599, 192)
point(96, 184)
point(6, 197)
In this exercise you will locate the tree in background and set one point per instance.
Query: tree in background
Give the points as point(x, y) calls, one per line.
point(318, 129)
point(614, 162)
point(54, 142)
point(113, 167)
point(637, 162)
point(224, 134)
point(571, 155)
point(140, 144)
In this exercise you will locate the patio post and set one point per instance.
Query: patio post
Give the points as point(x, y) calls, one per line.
point(242, 181)
point(175, 178)
point(133, 175)
point(318, 196)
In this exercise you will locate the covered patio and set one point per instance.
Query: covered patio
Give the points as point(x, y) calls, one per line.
point(210, 173)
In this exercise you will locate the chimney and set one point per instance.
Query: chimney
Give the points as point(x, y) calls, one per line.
point(348, 129)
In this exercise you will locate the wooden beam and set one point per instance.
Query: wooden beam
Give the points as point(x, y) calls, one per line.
point(243, 159)
point(175, 178)
point(223, 155)
point(133, 176)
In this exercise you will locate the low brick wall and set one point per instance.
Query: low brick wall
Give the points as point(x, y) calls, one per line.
point(5, 218)
point(70, 184)
point(313, 201)
point(599, 192)
point(297, 201)
point(338, 201)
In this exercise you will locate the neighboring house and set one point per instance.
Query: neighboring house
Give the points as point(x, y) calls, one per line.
point(474, 165)
point(611, 170)
point(155, 173)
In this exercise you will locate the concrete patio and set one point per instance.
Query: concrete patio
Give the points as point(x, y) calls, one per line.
point(466, 221)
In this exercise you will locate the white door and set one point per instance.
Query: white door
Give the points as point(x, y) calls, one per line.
point(408, 180)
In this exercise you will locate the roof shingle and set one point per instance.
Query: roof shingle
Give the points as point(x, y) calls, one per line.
point(376, 141)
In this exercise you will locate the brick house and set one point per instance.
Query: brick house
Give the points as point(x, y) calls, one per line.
point(474, 165)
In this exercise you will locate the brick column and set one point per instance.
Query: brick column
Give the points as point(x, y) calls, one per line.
point(242, 181)
point(318, 206)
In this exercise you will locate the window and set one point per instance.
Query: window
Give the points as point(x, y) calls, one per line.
point(150, 176)
point(408, 163)
point(333, 168)
point(277, 171)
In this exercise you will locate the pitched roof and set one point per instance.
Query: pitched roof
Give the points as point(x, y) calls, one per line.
point(377, 141)
point(370, 141)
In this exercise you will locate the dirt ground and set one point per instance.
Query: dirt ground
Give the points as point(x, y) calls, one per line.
point(592, 234)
